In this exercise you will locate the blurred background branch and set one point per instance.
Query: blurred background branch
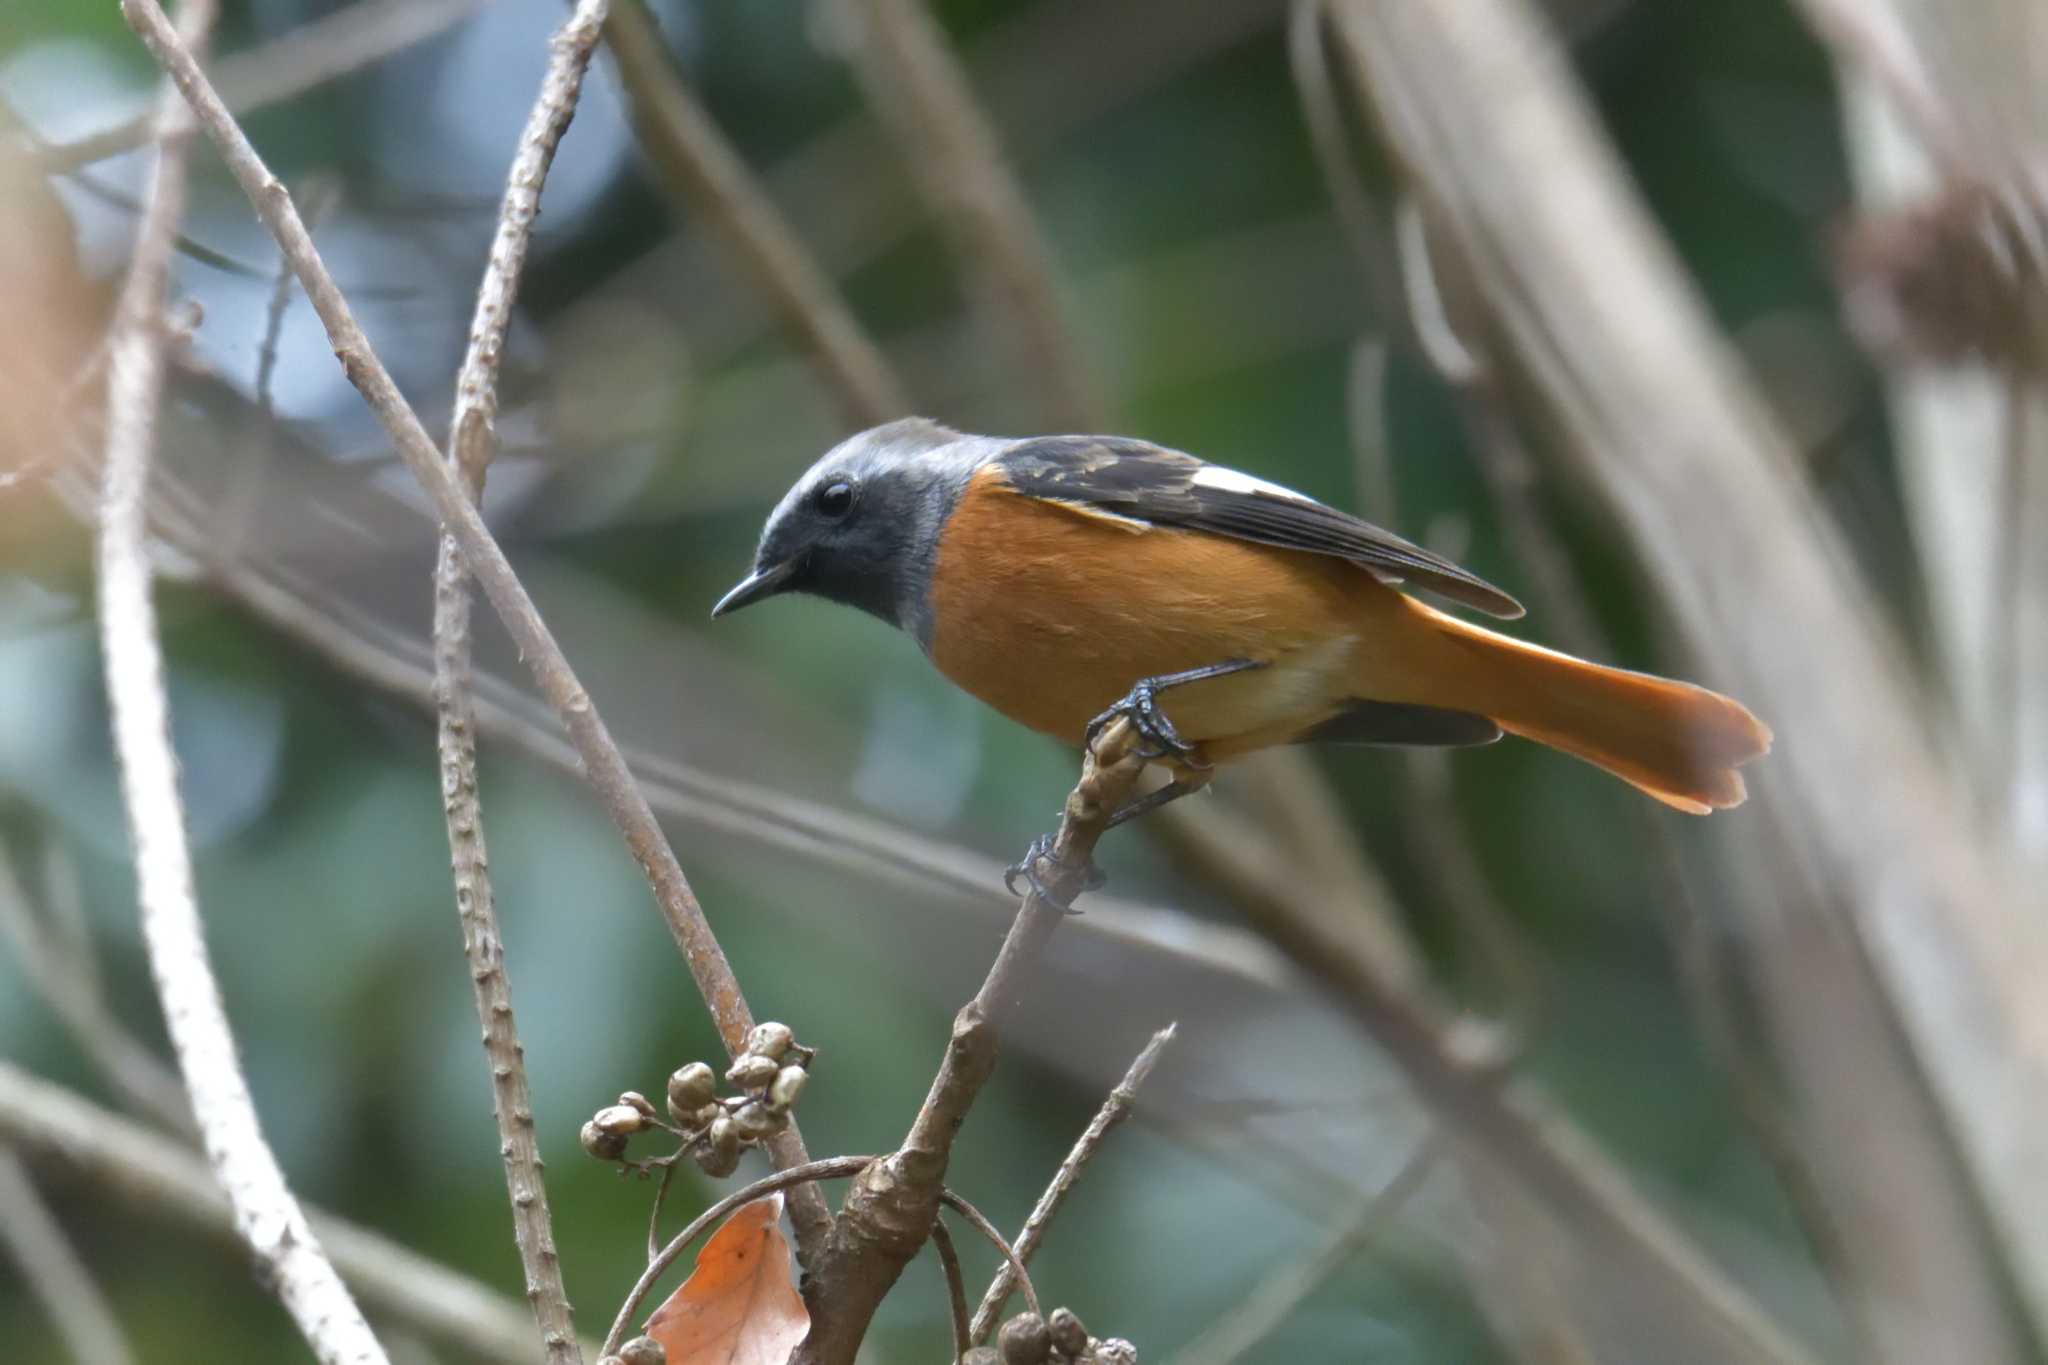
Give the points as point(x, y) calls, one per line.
point(1799, 1035)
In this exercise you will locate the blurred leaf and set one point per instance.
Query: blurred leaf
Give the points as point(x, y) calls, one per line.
point(739, 1306)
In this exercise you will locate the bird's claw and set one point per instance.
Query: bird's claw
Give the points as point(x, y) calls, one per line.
point(1156, 736)
point(1026, 870)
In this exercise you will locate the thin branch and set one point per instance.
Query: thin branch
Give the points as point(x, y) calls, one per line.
point(923, 99)
point(64, 974)
point(320, 194)
point(1011, 1262)
point(690, 152)
point(793, 1177)
point(133, 1165)
point(1113, 1111)
point(1273, 1299)
point(888, 1214)
point(1364, 231)
point(51, 1268)
point(606, 767)
point(956, 1285)
point(267, 1216)
point(471, 447)
point(311, 55)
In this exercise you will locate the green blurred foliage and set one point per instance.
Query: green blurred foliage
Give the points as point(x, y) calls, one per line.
point(1172, 215)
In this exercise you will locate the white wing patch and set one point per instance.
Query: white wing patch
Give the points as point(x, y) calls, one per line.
point(1095, 513)
point(1226, 480)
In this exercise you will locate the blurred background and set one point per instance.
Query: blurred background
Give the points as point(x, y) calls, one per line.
point(841, 811)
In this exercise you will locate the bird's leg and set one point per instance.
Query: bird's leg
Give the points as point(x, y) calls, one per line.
point(1140, 706)
point(1156, 739)
point(1153, 800)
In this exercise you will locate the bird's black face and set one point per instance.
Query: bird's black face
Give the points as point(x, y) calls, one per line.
point(840, 534)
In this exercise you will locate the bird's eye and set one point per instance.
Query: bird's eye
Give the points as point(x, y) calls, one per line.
point(835, 499)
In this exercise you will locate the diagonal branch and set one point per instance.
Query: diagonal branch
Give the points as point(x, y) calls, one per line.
point(690, 152)
point(471, 447)
point(267, 1216)
point(308, 56)
point(53, 1272)
point(1594, 320)
point(133, 1165)
point(605, 767)
point(1113, 1112)
point(889, 1212)
point(64, 975)
point(922, 97)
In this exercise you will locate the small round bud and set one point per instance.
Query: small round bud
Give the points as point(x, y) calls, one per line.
point(1024, 1340)
point(756, 1121)
point(643, 1351)
point(601, 1144)
point(704, 1117)
point(1115, 1351)
point(770, 1040)
point(690, 1089)
point(787, 1085)
point(717, 1161)
point(752, 1071)
point(634, 1100)
point(1068, 1335)
point(622, 1119)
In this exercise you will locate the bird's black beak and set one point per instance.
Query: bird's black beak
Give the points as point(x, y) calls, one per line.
point(776, 578)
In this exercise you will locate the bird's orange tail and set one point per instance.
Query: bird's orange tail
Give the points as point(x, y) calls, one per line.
point(1679, 743)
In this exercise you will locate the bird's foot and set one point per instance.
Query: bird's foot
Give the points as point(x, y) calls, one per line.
point(1140, 706)
point(1156, 736)
point(1025, 869)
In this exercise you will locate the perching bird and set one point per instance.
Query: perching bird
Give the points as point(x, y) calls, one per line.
point(1053, 576)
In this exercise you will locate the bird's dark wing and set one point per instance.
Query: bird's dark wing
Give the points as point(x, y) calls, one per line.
point(1148, 483)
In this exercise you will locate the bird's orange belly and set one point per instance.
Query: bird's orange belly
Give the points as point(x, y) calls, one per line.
point(1050, 615)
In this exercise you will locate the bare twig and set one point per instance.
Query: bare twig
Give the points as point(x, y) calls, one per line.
point(1113, 1111)
point(956, 1286)
point(979, 1221)
point(133, 1165)
point(605, 766)
point(320, 194)
point(1273, 1299)
point(793, 1177)
point(269, 1219)
point(921, 95)
point(471, 447)
point(65, 975)
point(52, 1270)
point(688, 149)
point(311, 55)
point(1364, 231)
point(889, 1211)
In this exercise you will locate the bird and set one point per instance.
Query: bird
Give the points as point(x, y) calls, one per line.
point(1068, 580)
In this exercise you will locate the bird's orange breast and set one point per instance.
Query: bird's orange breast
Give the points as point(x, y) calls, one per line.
point(1050, 612)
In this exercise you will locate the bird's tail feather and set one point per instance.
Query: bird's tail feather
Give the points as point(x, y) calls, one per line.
point(1675, 741)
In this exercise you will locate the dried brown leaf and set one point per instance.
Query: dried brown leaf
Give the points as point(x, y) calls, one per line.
point(739, 1306)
